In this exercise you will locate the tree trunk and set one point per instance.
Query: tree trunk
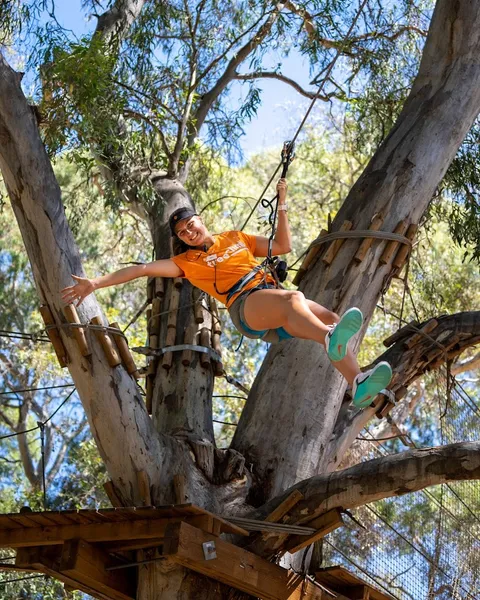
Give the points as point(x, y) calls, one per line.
point(297, 390)
point(182, 396)
point(292, 411)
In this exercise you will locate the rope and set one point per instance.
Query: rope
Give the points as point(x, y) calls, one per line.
point(356, 234)
point(5, 581)
point(315, 98)
point(43, 423)
point(37, 389)
point(33, 337)
point(225, 423)
point(112, 330)
point(361, 234)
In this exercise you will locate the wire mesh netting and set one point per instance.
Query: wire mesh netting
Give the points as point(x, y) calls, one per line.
point(423, 545)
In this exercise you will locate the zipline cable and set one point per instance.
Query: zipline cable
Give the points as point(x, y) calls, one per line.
point(314, 99)
point(4, 437)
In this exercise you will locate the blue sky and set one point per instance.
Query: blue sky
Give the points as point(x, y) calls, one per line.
point(282, 108)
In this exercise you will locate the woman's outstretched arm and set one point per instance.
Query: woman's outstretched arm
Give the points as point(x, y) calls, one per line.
point(83, 287)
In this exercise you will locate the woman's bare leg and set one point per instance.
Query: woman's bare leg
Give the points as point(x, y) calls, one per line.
point(302, 318)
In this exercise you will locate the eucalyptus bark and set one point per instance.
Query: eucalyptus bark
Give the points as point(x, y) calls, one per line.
point(296, 389)
point(111, 398)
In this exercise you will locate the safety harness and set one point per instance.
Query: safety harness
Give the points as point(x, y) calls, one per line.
point(277, 268)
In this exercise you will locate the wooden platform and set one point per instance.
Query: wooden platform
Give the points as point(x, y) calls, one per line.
point(79, 547)
point(342, 581)
point(95, 551)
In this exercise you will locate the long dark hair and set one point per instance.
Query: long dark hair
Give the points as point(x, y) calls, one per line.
point(179, 247)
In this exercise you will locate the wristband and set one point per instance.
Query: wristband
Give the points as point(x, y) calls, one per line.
point(283, 207)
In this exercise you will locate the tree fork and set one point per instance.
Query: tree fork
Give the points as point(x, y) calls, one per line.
point(398, 183)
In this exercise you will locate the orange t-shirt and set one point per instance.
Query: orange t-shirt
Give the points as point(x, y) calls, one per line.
point(230, 257)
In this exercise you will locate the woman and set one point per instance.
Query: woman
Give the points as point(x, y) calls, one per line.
point(224, 266)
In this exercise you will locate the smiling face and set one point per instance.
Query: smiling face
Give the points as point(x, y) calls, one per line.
point(191, 231)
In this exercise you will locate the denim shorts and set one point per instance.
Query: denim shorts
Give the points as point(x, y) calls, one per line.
point(237, 314)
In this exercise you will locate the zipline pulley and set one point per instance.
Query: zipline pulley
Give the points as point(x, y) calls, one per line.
point(288, 154)
point(278, 267)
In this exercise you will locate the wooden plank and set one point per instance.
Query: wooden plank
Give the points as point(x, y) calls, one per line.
point(103, 532)
point(421, 334)
point(144, 488)
point(324, 524)
point(54, 336)
point(392, 246)
point(179, 487)
point(335, 246)
point(46, 560)
point(283, 508)
point(78, 333)
point(401, 257)
point(23, 520)
point(88, 516)
point(375, 225)
point(87, 564)
point(106, 342)
point(233, 566)
point(339, 578)
point(112, 494)
point(96, 532)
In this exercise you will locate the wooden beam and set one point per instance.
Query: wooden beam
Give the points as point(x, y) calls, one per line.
point(112, 494)
point(237, 567)
point(359, 592)
point(283, 508)
point(310, 591)
point(108, 532)
point(128, 545)
point(46, 560)
point(87, 564)
point(324, 524)
point(95, 532)
point(339, 579)
point(144, 488)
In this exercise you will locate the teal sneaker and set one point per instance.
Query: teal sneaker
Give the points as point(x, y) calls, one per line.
point(336, 340)
point(367, 385)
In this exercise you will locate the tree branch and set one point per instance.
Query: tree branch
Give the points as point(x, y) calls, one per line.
point(284, 79)
point(114, 23)
point(139, 117)
point(394, 475)
point(467, 365)
point(307, 18)
point(228, 75)
point(411, 355)
point(67, 442)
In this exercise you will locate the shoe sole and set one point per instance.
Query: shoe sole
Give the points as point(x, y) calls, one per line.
point(350, 324)
point(367, 390)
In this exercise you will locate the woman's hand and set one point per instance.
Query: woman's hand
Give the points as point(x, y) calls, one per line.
point(76, 294)
point(282, 187)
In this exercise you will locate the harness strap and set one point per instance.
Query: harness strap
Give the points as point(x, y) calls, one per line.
point(242, 282)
